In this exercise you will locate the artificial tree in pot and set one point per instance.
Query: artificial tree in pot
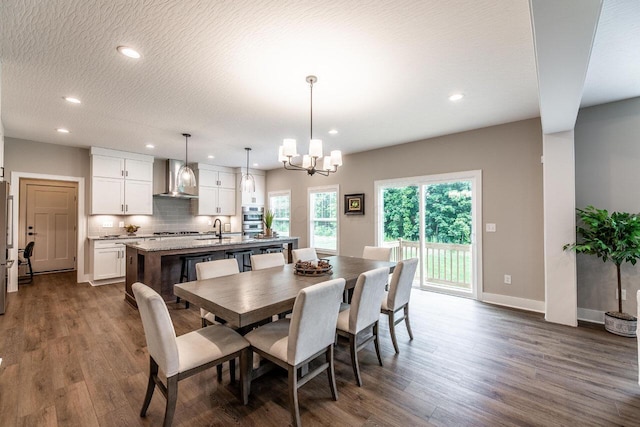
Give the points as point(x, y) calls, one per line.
point(614, 237)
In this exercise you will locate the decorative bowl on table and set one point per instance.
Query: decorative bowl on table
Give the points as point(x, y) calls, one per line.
point(312, 268)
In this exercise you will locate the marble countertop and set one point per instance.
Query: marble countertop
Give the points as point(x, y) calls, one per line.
point(202, 241)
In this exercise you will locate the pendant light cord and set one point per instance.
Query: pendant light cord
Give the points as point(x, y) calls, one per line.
point(311, 121)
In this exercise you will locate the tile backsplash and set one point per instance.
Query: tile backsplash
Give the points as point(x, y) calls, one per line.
point(169, 214)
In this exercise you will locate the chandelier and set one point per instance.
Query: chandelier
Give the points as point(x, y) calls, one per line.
point(310, 162)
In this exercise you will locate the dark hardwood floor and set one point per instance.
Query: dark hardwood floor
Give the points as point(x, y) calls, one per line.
point(75, 355)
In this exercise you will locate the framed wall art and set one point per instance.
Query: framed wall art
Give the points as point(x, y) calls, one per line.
point(354, 204)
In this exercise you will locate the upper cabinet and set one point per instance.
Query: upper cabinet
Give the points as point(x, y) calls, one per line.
point(216, 191)
point(121, 183)
point(256, 198)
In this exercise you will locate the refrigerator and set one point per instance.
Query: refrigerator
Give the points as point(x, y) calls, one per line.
point(6, 240)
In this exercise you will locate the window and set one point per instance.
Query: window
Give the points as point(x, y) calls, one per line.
point(323, 219)
point(280, 205)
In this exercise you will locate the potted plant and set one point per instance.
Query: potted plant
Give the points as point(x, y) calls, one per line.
point(131, 229)
point(614, 237)
point(268, 221)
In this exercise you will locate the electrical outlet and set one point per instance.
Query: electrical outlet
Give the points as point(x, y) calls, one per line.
point(209, 222)
point(107, 224)
point(624, 295)
point(491, 228)
point(507, 279)
point(121, 224)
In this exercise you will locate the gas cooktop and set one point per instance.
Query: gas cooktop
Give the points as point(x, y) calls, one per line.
point(175, 233)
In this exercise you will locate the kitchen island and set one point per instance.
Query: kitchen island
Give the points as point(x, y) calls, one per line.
point(157, 263)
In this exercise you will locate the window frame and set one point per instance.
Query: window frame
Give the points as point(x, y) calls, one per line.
point(280, 193)
point(324, 189)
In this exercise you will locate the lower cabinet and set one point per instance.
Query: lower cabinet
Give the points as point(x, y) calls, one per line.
point(108, 260)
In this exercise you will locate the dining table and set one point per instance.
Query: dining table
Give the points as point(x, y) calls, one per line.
point(245, 299)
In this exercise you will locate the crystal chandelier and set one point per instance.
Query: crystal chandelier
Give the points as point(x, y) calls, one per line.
point(310, 162)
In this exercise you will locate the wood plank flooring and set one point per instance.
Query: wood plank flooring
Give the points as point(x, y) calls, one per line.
point(75, 355)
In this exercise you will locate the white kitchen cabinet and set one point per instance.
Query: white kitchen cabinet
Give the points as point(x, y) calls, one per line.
point(216, 191)
point(256, 198)
point(121, 183)
point(108, 259)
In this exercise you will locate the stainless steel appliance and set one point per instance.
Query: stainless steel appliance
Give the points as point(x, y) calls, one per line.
point(6, 241)
point(252, 220)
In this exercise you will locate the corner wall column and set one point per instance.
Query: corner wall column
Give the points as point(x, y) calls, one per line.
point(560, 280)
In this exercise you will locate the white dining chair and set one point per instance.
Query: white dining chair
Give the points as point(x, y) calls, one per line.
point(376, 253)
point(292, 343)
point(181, 357)
point(304, 254)
point(362, 315)
point(210, 270)
point(398, 297)
point(262, 261)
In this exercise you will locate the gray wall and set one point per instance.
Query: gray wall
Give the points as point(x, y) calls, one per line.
point(509, 157)
point(607, 176)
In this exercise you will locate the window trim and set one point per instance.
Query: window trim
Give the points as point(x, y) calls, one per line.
point(280, 193)
point(323, 189)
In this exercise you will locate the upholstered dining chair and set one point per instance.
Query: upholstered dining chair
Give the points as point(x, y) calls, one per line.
point(210, 270)
point(304, 254)
point(362, 315)
point(181, 357)
point(376, 253)
point(292, 343)
point(262, 261)
point(398, 297)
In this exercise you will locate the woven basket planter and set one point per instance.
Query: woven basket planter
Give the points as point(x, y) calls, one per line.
point(620, 324)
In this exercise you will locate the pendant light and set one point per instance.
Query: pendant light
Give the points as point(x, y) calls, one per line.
point(248, 182)
point(314, 162)
point(185, 177)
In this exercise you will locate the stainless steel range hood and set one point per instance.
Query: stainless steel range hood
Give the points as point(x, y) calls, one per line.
point(171, 189)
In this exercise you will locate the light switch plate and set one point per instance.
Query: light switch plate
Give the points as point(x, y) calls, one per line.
point(490, 227)
point(121, 224)
point(107, 224)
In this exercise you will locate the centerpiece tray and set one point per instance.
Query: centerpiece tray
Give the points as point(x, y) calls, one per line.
point(313, 268)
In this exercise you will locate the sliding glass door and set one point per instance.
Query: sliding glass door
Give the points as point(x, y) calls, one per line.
point(434, 218)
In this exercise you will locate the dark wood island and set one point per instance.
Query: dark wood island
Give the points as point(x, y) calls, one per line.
point(157, 263)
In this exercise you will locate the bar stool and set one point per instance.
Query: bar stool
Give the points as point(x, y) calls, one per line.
point(271, 249)
point(244, 263)
point(187, 271)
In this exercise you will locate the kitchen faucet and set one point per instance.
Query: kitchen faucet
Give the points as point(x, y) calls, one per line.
point(219, 227)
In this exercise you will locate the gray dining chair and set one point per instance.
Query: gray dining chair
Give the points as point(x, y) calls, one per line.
point(304, 254)
point(210, 270)
point(376, 253)
point(262, 261)
point(398, 297)
point(293, 343)
point(181, 357)
point(362, 315)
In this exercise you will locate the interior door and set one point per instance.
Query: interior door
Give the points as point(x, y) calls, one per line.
point(50, 221)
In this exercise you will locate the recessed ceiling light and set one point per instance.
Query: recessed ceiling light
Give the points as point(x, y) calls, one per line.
point(255, 164)
point(211, 156)
point(62, 130)
point(456, 97)
point(72, 100)
point(129, 52)
point(333, 132)
point(150, 146)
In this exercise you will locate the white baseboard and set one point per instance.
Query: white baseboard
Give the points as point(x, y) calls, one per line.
point(514, 302)
point(106, 281)
point(593, 316)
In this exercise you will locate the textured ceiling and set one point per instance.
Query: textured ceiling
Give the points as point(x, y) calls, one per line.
point(232, 73)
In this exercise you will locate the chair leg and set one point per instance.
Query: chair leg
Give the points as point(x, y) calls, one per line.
point(219, 372)
point(30, 269)
point(406, 321)
point(246, 362)
point(232, 370)
point(172, 397)
point(151, 386)
point(376, 342)
point(392, 331)
point(354, 358)
point(293, 396)
point(331, 372)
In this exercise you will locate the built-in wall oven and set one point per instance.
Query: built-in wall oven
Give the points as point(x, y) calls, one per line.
point(252, 220)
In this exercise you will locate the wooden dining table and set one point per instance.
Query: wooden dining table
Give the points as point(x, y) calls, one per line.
point(245, 299)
